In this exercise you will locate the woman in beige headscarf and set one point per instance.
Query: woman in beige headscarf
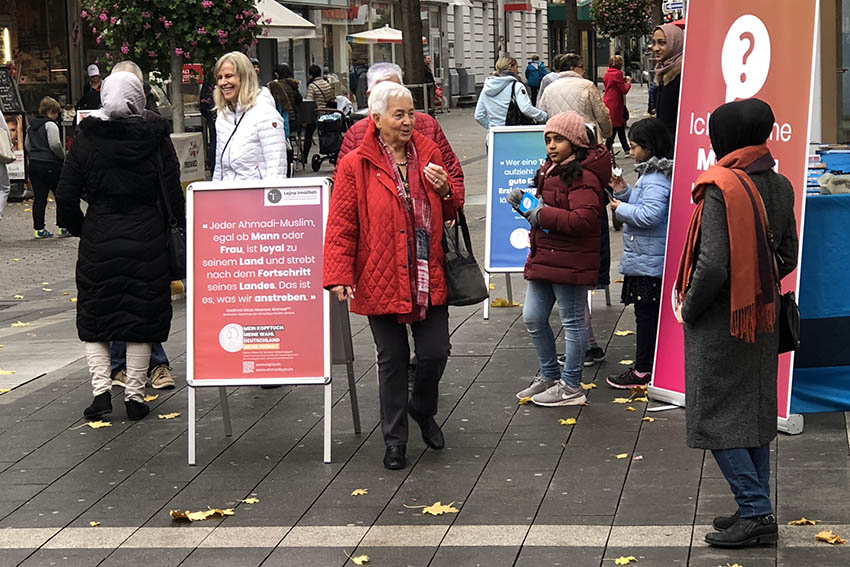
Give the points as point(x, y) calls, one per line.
point(668, 44)
point(121, 164)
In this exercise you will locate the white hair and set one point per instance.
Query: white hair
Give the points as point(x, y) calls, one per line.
point(382, 93)
point(382, 72)
point(129, 67)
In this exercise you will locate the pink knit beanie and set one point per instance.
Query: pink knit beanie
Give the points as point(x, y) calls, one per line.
point(571, 126)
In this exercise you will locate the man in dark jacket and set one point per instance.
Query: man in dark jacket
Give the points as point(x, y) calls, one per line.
point(91, 93)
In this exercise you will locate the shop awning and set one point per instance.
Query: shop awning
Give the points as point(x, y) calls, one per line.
point(466, 3)
point(385, 34)
point(285, 24)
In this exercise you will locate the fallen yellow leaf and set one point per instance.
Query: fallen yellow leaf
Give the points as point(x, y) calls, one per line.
point(568, 421)
point(438, 509)
point(66, 293)
point(648, 419)
point(492, 286)
point(524, 400)
point(27, 210)
point(630, 408)
point(94, 524)
point(627, 362)
point(625, 560)
point(641, 399)
point(46, 289)
point(6, 372)
point(73, 300)
point(502, 302)
point(150, 398)
point(804, 521)
point(732, 565)
point(168, 415)
point(588, 386)
point(622, 455)
point(20, 324)
point(45, 283)
point(618, 281)
point(360, 560)
point(94, 424)
point(830, 537)
point(624, 333)
point(621, 400)
point(635, 390)
point(19, 297)
point(201, 515)
point(16, 259)
point(250, 500)
point(360, 492)
point(4, 391)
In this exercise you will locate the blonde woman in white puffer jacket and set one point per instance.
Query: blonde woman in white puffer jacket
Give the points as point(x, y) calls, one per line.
point(250, 141)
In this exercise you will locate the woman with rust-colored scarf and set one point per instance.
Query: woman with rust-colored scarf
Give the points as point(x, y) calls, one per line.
point(728, 302)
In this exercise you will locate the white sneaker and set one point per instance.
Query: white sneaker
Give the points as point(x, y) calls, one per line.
point(537, 386)
point(559, 395)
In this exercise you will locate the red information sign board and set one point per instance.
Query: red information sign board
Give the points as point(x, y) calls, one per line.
point(257, 311)
point(736, 50)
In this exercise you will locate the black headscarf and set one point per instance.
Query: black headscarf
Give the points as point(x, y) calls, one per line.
point(739, 124)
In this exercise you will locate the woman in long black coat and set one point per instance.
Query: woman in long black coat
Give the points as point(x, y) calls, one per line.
point(123, 283)
point(729, 312)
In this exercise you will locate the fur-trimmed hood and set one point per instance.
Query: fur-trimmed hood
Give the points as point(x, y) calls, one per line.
point(664, 166)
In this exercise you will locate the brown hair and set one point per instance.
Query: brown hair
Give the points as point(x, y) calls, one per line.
point(49, 104)
point(616, 62)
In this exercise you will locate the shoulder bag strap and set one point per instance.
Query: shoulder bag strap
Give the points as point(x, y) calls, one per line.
point(238, 122)
point(169, 212)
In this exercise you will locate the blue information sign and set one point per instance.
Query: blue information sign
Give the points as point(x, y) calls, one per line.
point(515, 154)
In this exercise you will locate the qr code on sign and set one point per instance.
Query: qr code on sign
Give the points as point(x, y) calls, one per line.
point(247, 367)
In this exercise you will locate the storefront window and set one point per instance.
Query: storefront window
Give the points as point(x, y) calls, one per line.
point(38, 43)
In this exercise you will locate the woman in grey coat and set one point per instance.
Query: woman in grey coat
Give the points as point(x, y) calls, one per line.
point(728, 309)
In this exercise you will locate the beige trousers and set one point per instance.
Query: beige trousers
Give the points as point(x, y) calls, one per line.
point(138, 356)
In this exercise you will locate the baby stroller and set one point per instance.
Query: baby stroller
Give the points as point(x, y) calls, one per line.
point(331, 125)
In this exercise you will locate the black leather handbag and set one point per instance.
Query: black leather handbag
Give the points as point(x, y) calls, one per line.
point(176, 235)
point(789, 323)
point(463, 277)
point(514, 116)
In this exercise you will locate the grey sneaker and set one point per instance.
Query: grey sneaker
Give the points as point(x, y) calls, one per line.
point(120, 379)
point(537, 386)
point(559, 395)
point(161, 378)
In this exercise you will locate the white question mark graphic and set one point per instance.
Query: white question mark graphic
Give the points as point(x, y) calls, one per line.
point(745, 59)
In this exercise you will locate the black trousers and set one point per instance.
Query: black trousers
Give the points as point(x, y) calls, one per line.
point(309, 130)
point(646, 321)
point(44, 177)
point(534, 92)
point(621, 132)
point(431, 345)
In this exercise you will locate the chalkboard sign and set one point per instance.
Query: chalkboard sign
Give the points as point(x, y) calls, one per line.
point(10, 99)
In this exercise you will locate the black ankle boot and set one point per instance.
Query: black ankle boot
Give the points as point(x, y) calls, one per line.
point(432, 435)
point(746, 532)
point(136, 410)
point(721, 523)
point(100, 406)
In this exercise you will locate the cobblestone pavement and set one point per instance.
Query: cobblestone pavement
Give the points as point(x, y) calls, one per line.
point(529, 491)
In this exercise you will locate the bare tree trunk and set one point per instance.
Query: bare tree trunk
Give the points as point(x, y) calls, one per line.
point(572, 26)
point(657, 14)
point(413, 57)
point(177, 90)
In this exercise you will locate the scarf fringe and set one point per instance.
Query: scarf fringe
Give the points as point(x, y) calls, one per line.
point(746, 322)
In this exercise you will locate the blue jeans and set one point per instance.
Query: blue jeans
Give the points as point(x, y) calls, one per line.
point(748, 474)
point(572, 299)
point(118, 356)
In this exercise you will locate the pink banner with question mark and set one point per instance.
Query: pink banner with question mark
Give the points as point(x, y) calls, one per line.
point(735, 50)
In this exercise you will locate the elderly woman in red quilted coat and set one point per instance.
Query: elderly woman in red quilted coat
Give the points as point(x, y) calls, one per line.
point(383, 249)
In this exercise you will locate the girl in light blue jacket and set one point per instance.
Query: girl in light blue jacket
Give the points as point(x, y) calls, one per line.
point(643, 211)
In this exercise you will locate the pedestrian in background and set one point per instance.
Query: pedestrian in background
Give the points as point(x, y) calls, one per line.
point(5, 185)
point(492, 107)
point(91, 92)
point(423, 123)
point(121, 164)
point(668, 43)
point(573, 92)
point(728, 303)
point(552, 75)
point(383, 250)
point(46, 155)
point(534, 73)
point(249, 131)
point(320, 91)
point(643, 209)
point(614, 97)
point(563, 262)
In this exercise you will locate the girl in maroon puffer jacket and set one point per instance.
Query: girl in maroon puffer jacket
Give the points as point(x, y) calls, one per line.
point(563, 263)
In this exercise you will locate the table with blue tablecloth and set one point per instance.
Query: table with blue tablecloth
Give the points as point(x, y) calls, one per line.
point(822, 364)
